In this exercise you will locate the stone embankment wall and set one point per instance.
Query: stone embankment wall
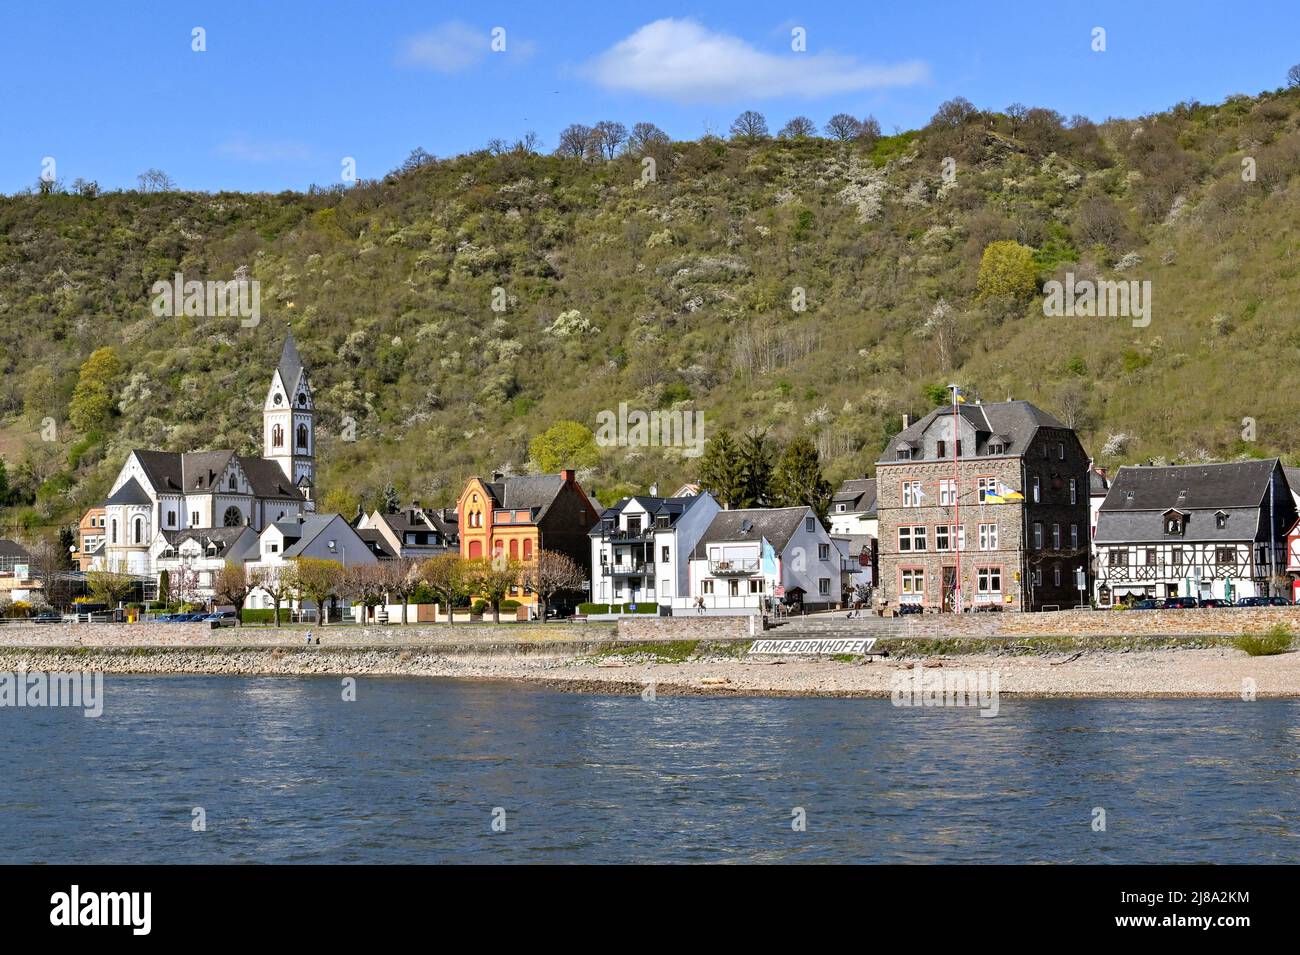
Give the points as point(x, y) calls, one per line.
point(202, 635)
point(1209, 621)
point(688, 628)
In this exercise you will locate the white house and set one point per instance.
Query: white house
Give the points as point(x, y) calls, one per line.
point(853, 508)
point(323, 536)
point(640, 548)
point(193, 558)
point(750, 556)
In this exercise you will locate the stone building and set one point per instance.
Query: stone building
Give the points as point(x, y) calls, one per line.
point(999, 490)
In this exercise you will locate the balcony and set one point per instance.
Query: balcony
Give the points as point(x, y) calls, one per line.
point(626, 570)
point(644, 534)
point(734, 568)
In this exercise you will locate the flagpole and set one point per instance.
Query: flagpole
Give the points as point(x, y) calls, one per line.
point(956, 502)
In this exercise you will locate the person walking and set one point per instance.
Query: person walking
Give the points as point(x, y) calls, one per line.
point(308, 638)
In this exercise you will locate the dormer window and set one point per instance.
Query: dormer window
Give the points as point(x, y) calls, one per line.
point(941, 449)
point(904, 454)
point(1174, 522)
point(1221, 520)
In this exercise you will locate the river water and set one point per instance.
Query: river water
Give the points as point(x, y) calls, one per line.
point(283, 769)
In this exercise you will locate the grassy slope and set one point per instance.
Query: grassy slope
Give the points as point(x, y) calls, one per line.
point(688, 281)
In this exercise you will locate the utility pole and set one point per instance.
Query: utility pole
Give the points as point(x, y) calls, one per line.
point(956, 502)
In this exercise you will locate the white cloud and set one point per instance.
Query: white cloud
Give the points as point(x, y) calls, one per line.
point(454, 46)
point(684, 61)
point(241, 147)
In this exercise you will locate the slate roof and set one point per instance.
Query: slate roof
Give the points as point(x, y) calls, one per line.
point(225, 538)
point(859, 494)
point(267, 479)
point(777, 524)
point(290, 366)
point(655, 507)
point(190, 472)
point(129, 493)
point(1139, 497)
point(377, 542)
point(1098, 483)
point(1014, 423)
point(304, 533)
point(9, 548)
point(526, 492)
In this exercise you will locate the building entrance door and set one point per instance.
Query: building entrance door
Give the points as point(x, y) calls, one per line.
point(949, 586)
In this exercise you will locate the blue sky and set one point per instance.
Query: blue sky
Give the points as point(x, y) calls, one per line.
point(286, 90)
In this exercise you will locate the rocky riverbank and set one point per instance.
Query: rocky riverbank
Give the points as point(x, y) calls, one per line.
point(719, 669)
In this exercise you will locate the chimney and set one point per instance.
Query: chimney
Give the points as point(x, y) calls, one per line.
point(415, 511)
point(907, 422)
point(496, 477)
point(566, 475)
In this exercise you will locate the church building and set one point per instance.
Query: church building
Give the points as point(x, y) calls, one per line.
point(181, 494)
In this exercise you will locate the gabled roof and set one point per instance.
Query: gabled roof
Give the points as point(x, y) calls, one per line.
point(859, 494)
point(1140, 497)
point(305, 532)
point(656, 508)
point(377, 542)
point(526, 492)
point(267, 479)
point(129, 493)
point(777, 524)
point(224, 537)
point(1013, 423)
point(1190, 487)
point(9, 548)
point(191, 472)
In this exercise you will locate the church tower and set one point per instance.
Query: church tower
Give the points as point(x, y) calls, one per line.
point(289, 422)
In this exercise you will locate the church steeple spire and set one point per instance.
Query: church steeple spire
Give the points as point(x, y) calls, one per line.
point(289, 420)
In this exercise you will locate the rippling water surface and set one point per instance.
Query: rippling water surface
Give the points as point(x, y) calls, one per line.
point(412, 771)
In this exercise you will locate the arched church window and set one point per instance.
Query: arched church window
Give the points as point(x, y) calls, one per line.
point(232, 518)
point(277, 437)
point(302, 437)
point(139, 531)
point(234, 483)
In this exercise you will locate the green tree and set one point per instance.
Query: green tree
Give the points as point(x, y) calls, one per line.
point(798, 478)
point(5, 490)
point(755, 470)
point(1007, 268)
point(391, 504)
point(566, 444)
point(720, 468)
point(95, 395)
point(318, 580)
point(493, 577)
point(449, 577)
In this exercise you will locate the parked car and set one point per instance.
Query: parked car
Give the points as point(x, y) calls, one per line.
point(1277, 602)
point(1149, 604)
point(1180, 603)
point(222, 618)
point(48, 616)
point(1252, 602)
point(1215, 602)
point(187, 617)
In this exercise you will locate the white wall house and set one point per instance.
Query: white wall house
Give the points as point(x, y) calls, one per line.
point(196, 557)
point(853, 508)
point(750, 555)
point(640, 549)
point(323, 536)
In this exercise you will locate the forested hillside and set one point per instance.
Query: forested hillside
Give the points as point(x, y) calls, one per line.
point(801, 284)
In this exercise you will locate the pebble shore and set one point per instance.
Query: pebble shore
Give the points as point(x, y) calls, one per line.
point(1212, 672)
